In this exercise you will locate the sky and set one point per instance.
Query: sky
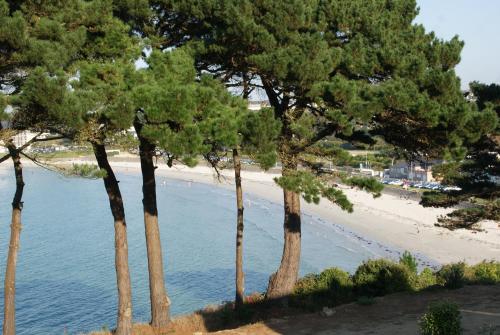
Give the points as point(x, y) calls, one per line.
point(477, 23)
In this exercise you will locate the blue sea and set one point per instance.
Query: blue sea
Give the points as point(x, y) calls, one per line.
point(66, 278)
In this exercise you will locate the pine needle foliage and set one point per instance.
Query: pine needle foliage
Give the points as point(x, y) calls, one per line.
point(478, 173)
point(331, 68)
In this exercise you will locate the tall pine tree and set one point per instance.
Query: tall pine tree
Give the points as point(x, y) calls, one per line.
point(76, 61)
point(328, 67)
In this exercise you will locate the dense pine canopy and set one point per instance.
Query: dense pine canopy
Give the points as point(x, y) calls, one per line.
point(478, 174)
point(332, 67)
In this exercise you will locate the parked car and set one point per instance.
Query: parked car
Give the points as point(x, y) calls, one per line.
point(451, 188)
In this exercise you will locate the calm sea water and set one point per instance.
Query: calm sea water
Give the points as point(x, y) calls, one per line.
point(65, 275)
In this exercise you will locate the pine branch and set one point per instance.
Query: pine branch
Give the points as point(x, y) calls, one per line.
point(4, 158)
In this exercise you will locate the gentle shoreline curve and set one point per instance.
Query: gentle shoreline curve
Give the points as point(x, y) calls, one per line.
point(399, 223)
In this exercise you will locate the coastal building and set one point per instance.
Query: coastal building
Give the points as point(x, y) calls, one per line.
point(411, 171)
point(22, 138)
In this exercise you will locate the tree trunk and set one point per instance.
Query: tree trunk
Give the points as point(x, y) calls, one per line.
point(9, 320)
point(282, 282)
point(240, 276)
point(160, 303)
point(124, 322)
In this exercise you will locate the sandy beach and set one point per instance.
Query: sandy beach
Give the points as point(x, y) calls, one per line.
point(390, 220)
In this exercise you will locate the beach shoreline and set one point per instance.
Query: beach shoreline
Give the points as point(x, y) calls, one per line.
point(397, 223)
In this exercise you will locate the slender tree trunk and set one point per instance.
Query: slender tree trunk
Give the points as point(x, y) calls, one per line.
point(9, 319)
point(160, 303)
point(240, 276)
point(282, 282)
point(124, 322)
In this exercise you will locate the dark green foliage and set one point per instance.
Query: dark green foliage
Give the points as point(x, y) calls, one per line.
point(442, 318)
point(89, 171)
point(12, 41)
point(80, 60)
point(380, 277)
point(312, 189)
point(408, 260)
point(438, 199)
point(335, 68)
point(460, 274)
point(259, 132)
point(486, 95)
point(183, 117)
point(330, 288)
point(477, 175)
point(452, 276)
point(469, 218)
point(367, 184)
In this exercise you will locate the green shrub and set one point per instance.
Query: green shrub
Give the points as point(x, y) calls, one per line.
point(452, 276)
point(331, 287)
point(442, 318)
point(408, 260)
point(427, 278)
point(380, 277)
point(486, 273)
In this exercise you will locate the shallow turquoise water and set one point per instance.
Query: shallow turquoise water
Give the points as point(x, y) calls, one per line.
point(66, 279)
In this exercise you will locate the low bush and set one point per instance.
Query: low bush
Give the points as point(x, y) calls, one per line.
point(487, 273)
point(442, 318)
point(452, 276)
point(331, 287)
point(380, 277)
point(427, 278)
point(408, 260)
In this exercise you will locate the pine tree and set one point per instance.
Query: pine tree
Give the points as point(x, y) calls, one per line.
point(76, 61)
point(12, 40)
point(477, 175)
point(258, 134)
point(327, 68)
point(182, 118)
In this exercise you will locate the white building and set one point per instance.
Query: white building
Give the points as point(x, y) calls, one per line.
point(412, 171)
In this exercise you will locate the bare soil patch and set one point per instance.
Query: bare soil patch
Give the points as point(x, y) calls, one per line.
point(393, 314)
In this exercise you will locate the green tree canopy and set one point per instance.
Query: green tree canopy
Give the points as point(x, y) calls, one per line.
point(329, 68)
point(185, 115)
point(478, 175)
point(78, 58)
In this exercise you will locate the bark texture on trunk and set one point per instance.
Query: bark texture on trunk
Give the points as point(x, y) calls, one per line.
point(124, 318)
point(9, 319)
point(160, 303)
point(282, 282)
point(240, 276)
